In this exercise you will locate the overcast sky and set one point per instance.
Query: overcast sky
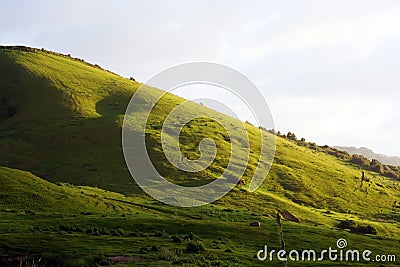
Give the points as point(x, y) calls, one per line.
point(330, 70)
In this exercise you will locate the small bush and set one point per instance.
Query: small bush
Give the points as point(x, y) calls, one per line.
point(36, 228)
point(177, 239)
point(291, 136)
point(211, 255)
point(356, 228)
point(191, 236)
point(143, 250)
point(198, 260)
point(391, 174)
point(155, 248)
point(360, 160)
point(362, 229)
point(229, 250)
point(101, 260)
point(104, 231)
point(346, 224)
point(376, 166)
point(137, 234)
point(120, 231)
point(77, 229)
point(160, 233)
point(7, 107)
point(116, 233)
point(195, 246)
point(168, 255)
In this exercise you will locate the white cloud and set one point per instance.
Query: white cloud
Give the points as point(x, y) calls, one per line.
point(337, 120)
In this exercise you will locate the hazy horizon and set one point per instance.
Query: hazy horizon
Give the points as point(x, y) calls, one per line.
point(329, 70)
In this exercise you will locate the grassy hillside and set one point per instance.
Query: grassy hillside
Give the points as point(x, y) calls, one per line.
point(60, 119)
point(67, 123)
point(75, 226)
point(65, 126)
point(23, 192)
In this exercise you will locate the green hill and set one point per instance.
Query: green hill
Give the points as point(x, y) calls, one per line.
point(61, 118)
point(67, 123)
point(22, 191)
point(65, 127)
point(68, 225)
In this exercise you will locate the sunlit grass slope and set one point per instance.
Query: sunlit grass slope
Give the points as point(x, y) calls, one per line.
point(70, 225)
point(61, 121)
point(67, 127)
point(22, 192)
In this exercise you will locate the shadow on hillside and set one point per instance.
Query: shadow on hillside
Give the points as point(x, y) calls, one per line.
point(113, 105)
point(32, 96)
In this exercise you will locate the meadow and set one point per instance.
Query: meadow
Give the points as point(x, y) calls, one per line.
point(67, 198)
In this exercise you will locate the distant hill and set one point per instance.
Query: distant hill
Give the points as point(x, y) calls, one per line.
point(369, 154)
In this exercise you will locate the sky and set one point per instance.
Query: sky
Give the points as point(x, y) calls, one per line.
point(329, 70)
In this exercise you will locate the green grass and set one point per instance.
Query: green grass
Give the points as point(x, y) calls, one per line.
point(81, 229)
point(67, 129)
